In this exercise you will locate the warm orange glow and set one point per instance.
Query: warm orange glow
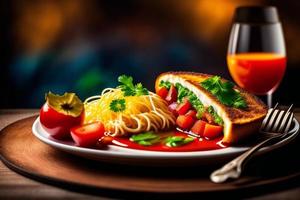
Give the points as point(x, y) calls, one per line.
point(212, 18)
point(40, 24)
point(215, 15)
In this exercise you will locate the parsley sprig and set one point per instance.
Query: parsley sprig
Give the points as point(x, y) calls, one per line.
point(165, 84)
point(224, 91)
point(129, 88)
point(117, 105)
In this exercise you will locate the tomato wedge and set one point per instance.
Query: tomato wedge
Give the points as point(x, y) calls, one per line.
point(163, 92)
point(212, 131)
point(198, 127)
point(185, 122)
point(184, 107)
point(172, 95)
point(87, 135)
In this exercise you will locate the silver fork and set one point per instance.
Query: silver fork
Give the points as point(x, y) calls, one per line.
point(277, 123)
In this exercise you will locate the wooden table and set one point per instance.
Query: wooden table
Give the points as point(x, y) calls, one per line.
point(15, 186)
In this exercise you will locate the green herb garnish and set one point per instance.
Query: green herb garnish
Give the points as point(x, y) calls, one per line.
point(129, 88)
point(117, 105)
point(193, 99)
point(197, 104)
point(217, 118)
point(145, 139)
point(181, 92)
point(224, 91)
point(176, 141)
point(165, 84)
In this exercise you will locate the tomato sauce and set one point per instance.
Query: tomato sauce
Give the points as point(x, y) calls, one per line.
point(258, 73)
point(199, 144)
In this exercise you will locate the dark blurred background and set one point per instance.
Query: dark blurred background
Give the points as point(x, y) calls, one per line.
point(83, 45)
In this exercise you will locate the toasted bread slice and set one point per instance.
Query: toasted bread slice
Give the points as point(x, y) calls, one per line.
point(238, 123)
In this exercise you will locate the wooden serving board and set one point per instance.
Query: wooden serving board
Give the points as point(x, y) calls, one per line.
point(24, 153)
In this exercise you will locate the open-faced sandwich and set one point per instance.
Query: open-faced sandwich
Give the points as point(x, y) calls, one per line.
point(216, 101)
point(188, 112)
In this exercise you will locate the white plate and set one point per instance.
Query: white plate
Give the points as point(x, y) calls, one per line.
point(120, 155)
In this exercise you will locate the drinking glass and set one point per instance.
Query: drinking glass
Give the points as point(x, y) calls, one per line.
point(256, 55)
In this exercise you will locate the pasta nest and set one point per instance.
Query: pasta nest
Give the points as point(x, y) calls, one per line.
point(142, 113)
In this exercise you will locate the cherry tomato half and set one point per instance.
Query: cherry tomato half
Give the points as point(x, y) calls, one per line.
point(57, 124)
point(87, 135)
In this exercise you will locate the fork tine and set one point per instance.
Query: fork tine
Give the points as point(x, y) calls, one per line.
point(289, 123)
point(267, 118)
point(291, 106)
point(284, 120)
point(278, 121)
point(271, 121)
point(263, 124)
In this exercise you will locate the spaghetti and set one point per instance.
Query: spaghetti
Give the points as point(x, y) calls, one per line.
point(142, 113)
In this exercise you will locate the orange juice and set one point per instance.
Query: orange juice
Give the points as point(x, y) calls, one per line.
point(258, 73)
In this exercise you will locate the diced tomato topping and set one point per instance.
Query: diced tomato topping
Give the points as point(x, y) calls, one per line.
point(184, 107)
point(172, 95)
point(172, 107)
point(185, 122)
point(87, 135)
point(163, 92)
point(198, 127)
point(212, 131)
point(192, 113)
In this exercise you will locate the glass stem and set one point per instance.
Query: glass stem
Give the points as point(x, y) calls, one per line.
point(269, 99)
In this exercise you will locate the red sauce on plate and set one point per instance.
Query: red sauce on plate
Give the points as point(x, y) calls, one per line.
point(199, 144)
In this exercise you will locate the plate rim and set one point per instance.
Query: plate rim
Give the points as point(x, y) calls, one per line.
point(144, 154)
